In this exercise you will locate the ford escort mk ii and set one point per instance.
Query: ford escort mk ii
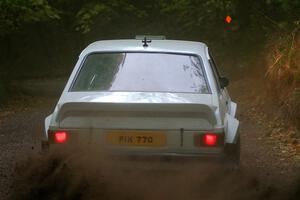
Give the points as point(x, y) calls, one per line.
point(147, 97)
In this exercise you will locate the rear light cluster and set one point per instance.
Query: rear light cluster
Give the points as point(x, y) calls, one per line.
point(209, 140)
point(58, 137)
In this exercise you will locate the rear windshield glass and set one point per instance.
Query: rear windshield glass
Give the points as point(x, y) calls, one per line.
point(141, 72)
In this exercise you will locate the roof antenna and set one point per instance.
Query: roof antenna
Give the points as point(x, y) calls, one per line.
point(145, 42)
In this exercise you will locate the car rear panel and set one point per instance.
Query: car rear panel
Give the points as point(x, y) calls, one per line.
point(178, 142)
point(179, 123)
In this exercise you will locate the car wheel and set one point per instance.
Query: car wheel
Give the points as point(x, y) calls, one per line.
point(232, 154)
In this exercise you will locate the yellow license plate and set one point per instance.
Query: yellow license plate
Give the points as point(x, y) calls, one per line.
point(154, 139)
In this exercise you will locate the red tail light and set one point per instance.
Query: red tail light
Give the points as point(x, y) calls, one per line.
point(60, 137)
point(210, 139)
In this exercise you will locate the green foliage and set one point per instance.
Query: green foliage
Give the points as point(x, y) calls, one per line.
point(201, 16)
point(87, 15)
point(15, 13)
point(197, 12)
point(288, 5)
point(189, 14)
point(104, 12)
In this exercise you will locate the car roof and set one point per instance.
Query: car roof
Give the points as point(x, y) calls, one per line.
point(136, 45)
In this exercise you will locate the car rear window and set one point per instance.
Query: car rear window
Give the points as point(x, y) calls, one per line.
point(141, 72)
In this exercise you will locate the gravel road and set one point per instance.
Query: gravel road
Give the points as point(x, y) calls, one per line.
point(264, 174)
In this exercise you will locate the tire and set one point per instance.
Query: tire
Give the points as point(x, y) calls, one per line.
point(232, 154)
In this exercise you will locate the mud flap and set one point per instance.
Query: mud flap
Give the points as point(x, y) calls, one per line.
point(47, 124)
point(231, 129)
point(233, 107)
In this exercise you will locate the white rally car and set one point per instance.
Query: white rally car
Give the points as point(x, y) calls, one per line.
point(147, 97)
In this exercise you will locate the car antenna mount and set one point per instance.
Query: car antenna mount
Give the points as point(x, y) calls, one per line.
point(145, 42)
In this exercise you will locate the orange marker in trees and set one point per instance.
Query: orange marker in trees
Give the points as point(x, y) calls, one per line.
point(228, 19)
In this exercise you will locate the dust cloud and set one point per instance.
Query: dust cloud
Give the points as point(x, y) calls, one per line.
point(84, 175)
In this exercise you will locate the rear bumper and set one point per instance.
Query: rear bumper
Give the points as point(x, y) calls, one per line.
point(216, 153)
point(169, 154)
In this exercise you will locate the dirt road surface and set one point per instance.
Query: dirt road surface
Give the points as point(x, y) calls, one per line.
point(25, 173)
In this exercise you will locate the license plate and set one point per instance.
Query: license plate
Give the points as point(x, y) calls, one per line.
point(154, 139)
